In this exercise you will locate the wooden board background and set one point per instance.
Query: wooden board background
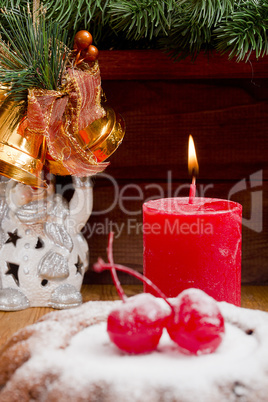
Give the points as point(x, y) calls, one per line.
point(224, 105)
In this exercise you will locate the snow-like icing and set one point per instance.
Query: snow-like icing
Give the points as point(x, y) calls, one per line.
point(199, 301)
point(145, 304)
point(91, 364)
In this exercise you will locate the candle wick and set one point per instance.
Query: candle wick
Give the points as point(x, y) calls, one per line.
point(192, 190)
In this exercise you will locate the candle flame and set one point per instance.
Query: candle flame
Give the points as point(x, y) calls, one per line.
point(193, 167)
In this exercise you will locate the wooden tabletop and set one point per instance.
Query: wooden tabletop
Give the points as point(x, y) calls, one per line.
point(254, 297)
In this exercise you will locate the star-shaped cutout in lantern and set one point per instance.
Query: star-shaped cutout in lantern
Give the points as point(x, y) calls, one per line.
point(40, 243)
point(13, 269)
point(13, 237)
point(79, 265)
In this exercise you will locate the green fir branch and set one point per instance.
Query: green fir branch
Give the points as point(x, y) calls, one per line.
point(141, 19)
point(244, 31)
point(82, 14)
point(181, 27)
point(188, 36)
point(37, 59)
point(209, 12)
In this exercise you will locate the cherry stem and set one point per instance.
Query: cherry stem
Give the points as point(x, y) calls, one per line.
point(101, 266)
point(116, 281)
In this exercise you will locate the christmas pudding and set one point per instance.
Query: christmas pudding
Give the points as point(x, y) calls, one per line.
point(68, 356)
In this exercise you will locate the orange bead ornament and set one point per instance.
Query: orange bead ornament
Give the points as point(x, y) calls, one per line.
point(91, 54)
point(82, 40)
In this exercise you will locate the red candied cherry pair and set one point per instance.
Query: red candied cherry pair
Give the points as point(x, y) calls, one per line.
point(84, 48)
point(193, 319)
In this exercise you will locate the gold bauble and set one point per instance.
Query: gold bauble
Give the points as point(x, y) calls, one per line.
point(21, 157)
point(102, 138)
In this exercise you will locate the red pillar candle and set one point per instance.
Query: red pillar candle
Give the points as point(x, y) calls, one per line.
point(194, 242)
point(194, 245)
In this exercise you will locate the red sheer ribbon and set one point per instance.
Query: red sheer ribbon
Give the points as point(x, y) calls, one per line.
point(59, 115)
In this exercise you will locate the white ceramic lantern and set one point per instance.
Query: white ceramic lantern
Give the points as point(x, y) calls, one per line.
point(43, 254)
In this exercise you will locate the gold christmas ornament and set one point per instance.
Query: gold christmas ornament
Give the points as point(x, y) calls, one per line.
point(62, 125)
point(21, 156)
point(101, 138)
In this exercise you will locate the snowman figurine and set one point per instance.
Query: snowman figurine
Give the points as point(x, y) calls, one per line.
point(43, 254)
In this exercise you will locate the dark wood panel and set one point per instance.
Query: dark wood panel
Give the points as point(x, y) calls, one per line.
point(124, 217)
point(228, 121)
point(154, 64)
point(224, 105)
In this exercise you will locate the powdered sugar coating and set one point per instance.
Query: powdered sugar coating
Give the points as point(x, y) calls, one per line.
point(72, 360)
